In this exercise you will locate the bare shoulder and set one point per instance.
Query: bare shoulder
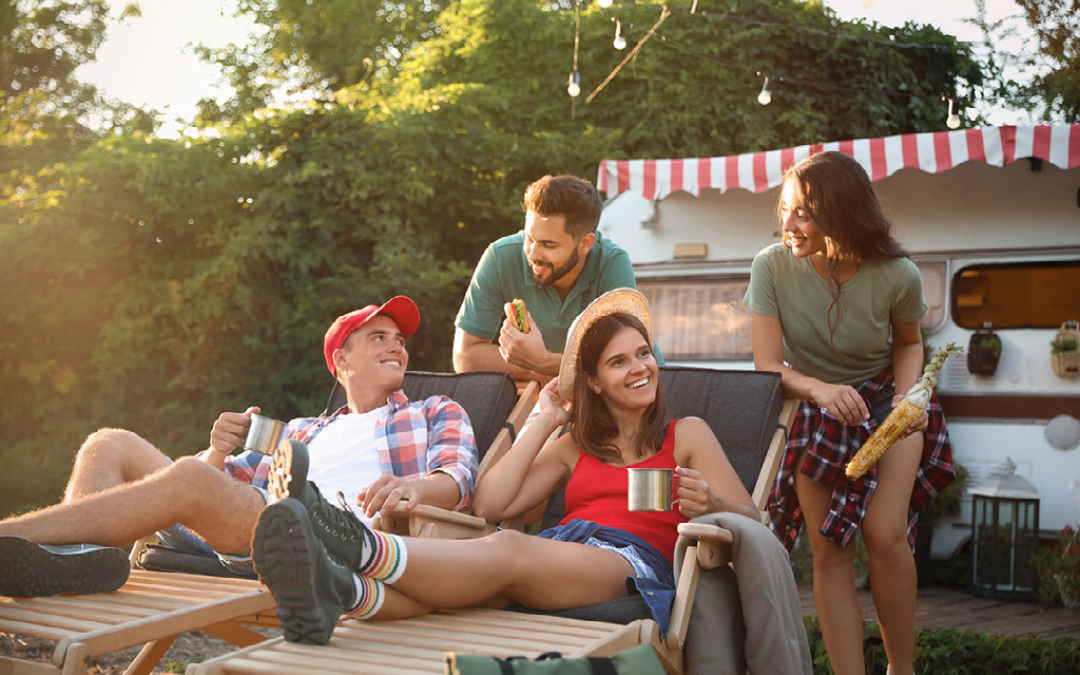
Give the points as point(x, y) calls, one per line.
point(693, 429)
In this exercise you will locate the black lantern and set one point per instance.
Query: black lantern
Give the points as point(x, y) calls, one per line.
point(1004, 535)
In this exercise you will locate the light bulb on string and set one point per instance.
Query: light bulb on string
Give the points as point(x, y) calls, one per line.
point(573, 84)
point(604, 3)
point(953, 120)
point(765, 97)
point(620, 41)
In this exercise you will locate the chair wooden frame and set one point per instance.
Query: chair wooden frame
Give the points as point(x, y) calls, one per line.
point(418, 645)
point(154, 608)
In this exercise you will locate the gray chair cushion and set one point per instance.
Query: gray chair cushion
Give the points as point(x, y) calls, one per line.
point(487, 397)
point(161, 558)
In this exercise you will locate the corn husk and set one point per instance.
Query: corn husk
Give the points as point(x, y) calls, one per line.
point(908, 410)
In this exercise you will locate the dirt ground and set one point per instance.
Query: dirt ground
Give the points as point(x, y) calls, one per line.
point(188, 648)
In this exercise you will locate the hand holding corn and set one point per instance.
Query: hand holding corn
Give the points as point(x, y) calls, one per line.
point(913, 405)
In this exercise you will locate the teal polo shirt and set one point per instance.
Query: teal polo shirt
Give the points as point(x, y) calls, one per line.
point(503, 274)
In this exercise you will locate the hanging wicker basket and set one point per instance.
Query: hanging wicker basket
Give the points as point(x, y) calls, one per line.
point(1065, 351)
point(984, 351)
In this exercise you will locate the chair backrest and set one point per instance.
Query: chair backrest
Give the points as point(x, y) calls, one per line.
point(741, 406)
point(487, 397)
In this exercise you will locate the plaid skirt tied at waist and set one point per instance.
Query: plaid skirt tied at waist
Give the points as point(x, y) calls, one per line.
point(831, 445)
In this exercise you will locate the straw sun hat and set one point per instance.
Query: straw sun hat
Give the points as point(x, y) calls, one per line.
point(618, 301)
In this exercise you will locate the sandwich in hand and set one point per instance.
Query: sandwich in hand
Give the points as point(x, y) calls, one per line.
point(515, 313)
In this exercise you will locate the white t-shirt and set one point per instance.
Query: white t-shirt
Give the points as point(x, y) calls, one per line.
point(344, 458)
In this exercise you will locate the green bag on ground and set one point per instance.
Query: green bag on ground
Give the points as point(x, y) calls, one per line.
point(639, 660)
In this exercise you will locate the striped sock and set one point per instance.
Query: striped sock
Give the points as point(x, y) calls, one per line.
point(388, 557)
point(369, 597)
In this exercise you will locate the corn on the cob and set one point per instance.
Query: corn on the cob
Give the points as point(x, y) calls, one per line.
point(890, 430)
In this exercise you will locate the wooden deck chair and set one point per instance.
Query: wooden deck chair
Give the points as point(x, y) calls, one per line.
point(153, 608)
point(751, 418)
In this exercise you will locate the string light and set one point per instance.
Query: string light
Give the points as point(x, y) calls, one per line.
point(604, 3)
point(573, 84)
point(953, 120)
point(620, 41)
point(765, 97)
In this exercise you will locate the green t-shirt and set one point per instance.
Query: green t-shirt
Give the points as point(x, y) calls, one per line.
point(790, 289)
point(503, 275)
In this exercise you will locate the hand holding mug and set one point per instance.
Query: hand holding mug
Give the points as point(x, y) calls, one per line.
point(693, 492)
point(230, 430)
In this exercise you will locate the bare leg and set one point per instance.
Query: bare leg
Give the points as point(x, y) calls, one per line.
point(510, 566)
point(111, 457)
point(892, 566)
point(221, 510)
point(834, 582)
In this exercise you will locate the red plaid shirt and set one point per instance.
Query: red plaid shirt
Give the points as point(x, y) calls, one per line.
point(413, 439)
point(832, 445)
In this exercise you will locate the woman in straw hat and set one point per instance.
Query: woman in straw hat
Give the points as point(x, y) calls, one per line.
point(608, 391)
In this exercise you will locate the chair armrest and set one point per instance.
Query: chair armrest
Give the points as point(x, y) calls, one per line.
point(713, 543)
point(431, 521)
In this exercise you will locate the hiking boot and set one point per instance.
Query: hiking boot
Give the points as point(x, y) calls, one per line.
point(337, 527)
point(312, 589)
point(29, 570)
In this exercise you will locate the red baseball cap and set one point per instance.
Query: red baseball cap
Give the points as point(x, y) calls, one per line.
point(401, 309)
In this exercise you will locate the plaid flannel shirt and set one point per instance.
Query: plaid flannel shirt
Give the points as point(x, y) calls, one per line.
point(832, 445)
point(413, 439)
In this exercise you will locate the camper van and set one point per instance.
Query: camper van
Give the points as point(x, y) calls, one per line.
point(992, 218)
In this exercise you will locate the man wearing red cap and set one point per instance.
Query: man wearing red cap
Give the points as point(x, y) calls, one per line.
point(379, 449)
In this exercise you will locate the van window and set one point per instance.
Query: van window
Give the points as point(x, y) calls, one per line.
point(700, 319)
point(1016, 295)
point(933, 281)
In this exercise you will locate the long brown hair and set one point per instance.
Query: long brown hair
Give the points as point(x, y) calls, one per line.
point(592, 425)
point(839, 198)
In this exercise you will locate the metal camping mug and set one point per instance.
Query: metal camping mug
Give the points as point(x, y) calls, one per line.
point(651, 490)
point(264, 434)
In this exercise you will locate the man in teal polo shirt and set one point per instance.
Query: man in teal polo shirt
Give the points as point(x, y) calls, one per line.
point(558, 264)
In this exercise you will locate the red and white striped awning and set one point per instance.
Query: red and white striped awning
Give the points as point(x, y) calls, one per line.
point(881, 157)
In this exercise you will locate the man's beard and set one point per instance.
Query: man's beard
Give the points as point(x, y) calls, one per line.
point(557, 272)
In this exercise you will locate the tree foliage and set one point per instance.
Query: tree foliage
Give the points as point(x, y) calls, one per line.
point(315, 48)
point(1056, 24)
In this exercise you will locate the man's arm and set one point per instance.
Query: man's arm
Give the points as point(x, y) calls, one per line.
point(474, 353)
point(451, 460)
point(435, 489)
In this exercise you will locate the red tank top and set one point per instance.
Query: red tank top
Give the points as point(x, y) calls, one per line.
point(597, 492)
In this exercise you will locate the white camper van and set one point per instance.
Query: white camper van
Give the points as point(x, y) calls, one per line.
point(992, 217)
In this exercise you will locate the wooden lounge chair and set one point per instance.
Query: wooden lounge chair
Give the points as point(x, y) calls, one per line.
point(153, 608)
point(750, 417)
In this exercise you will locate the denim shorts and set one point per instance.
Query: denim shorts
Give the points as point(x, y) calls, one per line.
point(184, 539)
point(642, 569)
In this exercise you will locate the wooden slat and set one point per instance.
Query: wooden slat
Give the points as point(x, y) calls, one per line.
point(684, 600)
point(141, 631)
point(35, 630)
point(449, 639)
point(28, 616)
point(774, 454)
point(149, 656)
point(10, 666)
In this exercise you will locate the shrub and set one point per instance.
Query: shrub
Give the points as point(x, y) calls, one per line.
point(945, 651)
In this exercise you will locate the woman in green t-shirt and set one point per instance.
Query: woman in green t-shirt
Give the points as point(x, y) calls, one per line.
point(835, 309)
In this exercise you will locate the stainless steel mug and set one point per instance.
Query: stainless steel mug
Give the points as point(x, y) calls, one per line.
point(651, 490)
point(264, 434)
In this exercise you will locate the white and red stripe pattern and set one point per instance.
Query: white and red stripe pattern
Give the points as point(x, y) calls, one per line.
point(881, 157)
